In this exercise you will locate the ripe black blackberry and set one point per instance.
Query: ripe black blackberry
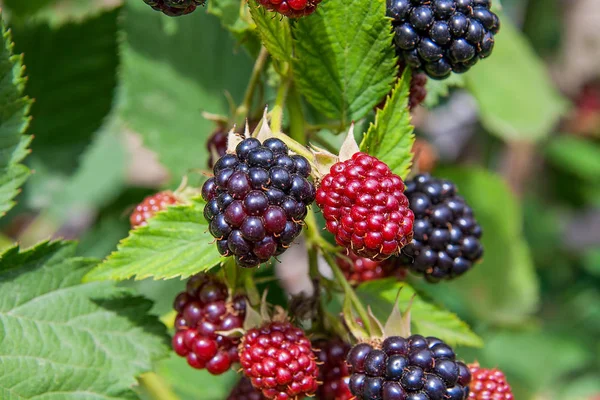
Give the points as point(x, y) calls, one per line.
point(257, 200)
point(245, 391)
point(175, 8)
point(416, 368)
point(446, 235)
point(333, 370)
point(443, 36)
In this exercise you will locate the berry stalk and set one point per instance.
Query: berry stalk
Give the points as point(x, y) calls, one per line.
point(259, 65)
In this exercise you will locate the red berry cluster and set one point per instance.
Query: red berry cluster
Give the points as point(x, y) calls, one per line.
point(365, 208)
point(150, 206)
point(245, 391)
point(202, 311)
point(291, 8)
point(488, 384)
point(279, 360)
point(360, 269)
point(333, 370)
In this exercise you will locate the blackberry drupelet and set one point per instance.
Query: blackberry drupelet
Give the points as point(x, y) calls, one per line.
point(245, 391)
point(360, 269)
point(257, 200)
point(443, 36)
point(446, 237)
point(291, 8)
point(203, 310)
point(175, 8)
point(365, 208)
point(489, 384)
point(216, 145)
point(333, 371)
point(416, 368)
point(150, 206)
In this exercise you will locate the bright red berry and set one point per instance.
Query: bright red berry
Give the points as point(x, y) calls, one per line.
point(245, 391)
point(203, 310)
point(360, 269)
point(333, 370)
point(279, 360)
point(291, 8)
point(150, 206)
point(365, 208)
point(488, 384)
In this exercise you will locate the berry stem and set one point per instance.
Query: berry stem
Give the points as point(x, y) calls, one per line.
point(297, 125)
point(277, 113)
point(156, 387)
point(250, 286)
point(261, 60)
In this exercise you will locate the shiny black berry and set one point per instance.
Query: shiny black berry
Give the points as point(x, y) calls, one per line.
point(439, 37)
point(257, 200)
point(446, 241)
point(175, 8)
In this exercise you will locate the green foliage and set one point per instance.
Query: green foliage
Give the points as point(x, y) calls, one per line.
point(68, 340)
point(23, 8)
point(427, 319)
point(176, 242)
point(516, 98)
point(72, 81)
point(274, 32)
point(344, 62)
point(13, 123)
point(169, 79)
point(391, 137)
point(578, 156)
point(503, 288)
point(437, 90)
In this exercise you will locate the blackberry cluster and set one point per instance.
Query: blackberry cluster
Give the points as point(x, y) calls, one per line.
point(279, 361)
point(416, 368)
point(360, 269)
point(150, 206)
point(175, 8)
point(365, 208)
point(291, 8)
point(216, 144)
point(333, 371)
point(489, 384)
point(257, 200)
point(418, 90)
point(446, 235)
point(442, 36)
point(203, 310)
point(245, 391)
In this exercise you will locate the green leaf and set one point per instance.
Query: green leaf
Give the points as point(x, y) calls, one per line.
point(517, 99)
point(345, 62)
point(427, 319)
point(576, 155)
point(63, 339)
point(233, 16)
point(175, 68)
point(176, 242)
point(13, 123)
point(437, 90)
point(72, 81)
point(391, 137)
point(25, 8)
point(503, 288)
point(274, 32)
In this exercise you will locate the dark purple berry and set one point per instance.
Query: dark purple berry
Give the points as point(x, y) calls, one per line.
point(393, 391)
point(373, 388)
point(398, 9)
point(244, 147)
point(357, 356)
point(276, 146)
point(375, 363)
point(421, 18)
point(260, 157)
point(395, 367)
point(395, 345)
point(412, 379)
point(434, 387)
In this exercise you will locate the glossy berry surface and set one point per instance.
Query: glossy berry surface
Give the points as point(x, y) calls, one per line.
point(333, 371)
point(446, 241)
point(291, 8)
point(415, 368)
point(365, 208)
point(360, 269)
point(488, 384)
point(216, 146)
point(150, 206)
point(204, 309)
point(175, 8)
point(257, 200)
point(439, 37)
point(245, 391)
point(279, 360)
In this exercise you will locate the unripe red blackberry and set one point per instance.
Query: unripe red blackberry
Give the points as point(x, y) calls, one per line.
point(360, 269)
point(150, 206)
point(203, 310)
point(416, 368)
point(278, 359)
point(446, 235)
point(175, 8)
point(216, 145)
point(291, 8)
point(245, 391)
point(333, 371)
point(365, 208)
point(488, 384)
point(418, 90)
point(257, 200)
point(443, 36)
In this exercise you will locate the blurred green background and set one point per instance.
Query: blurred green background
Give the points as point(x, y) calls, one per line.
point(119, 91)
